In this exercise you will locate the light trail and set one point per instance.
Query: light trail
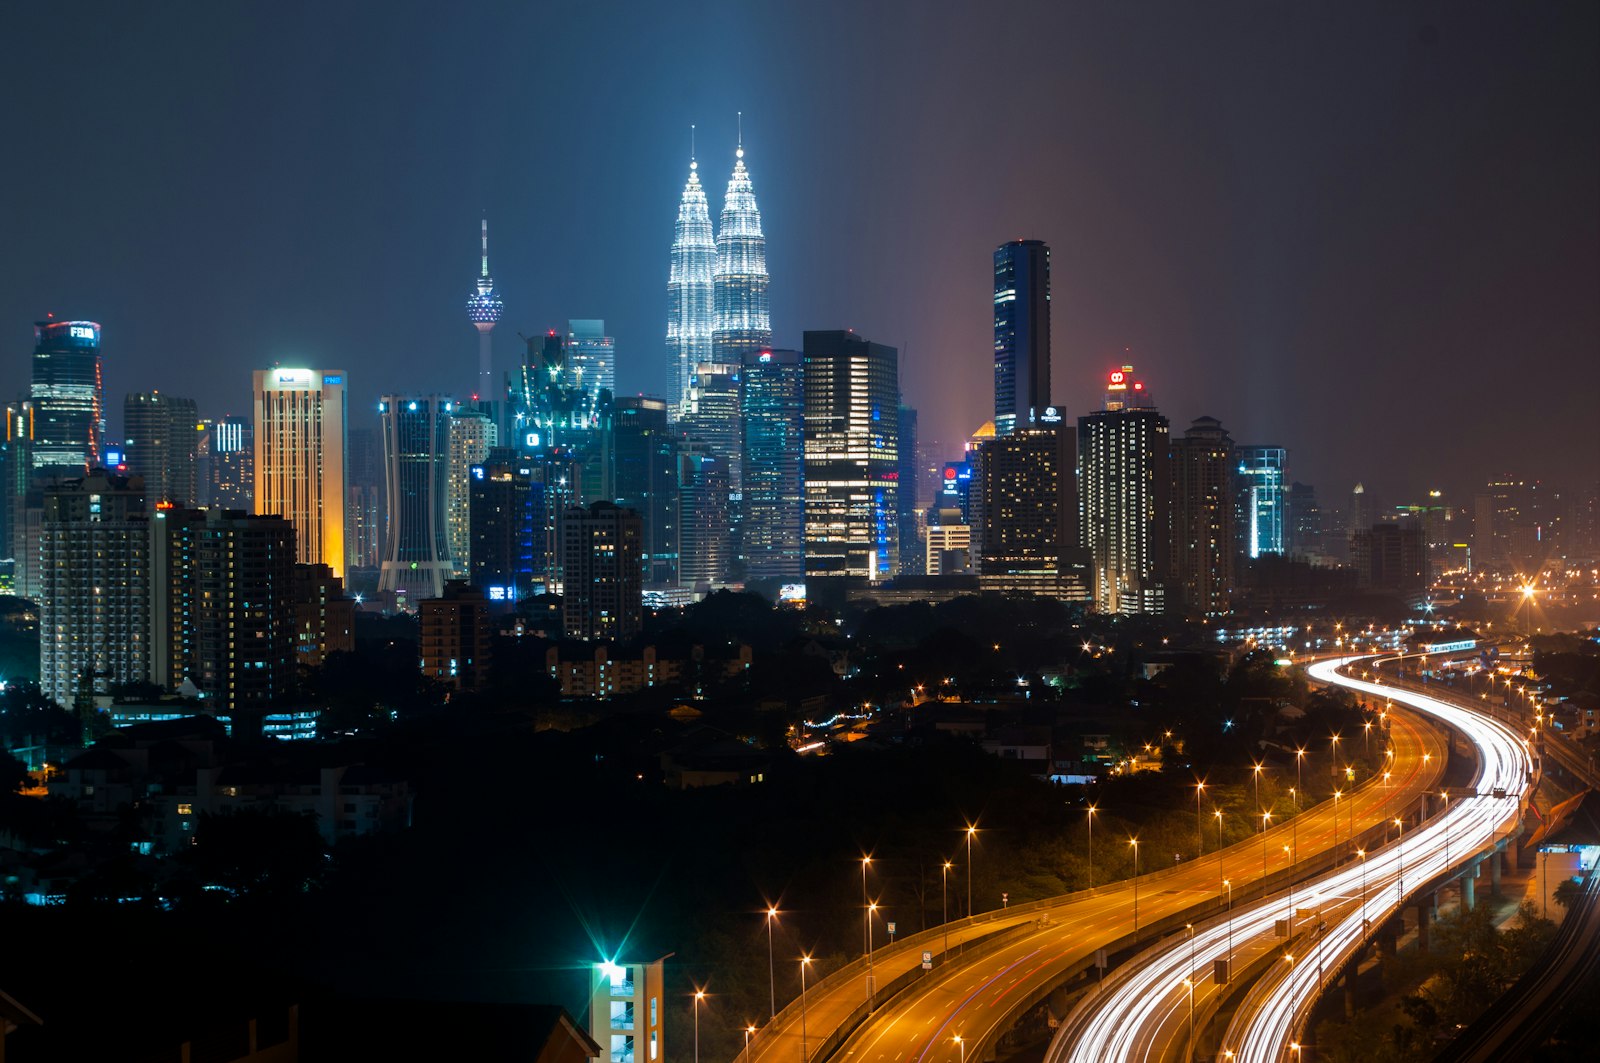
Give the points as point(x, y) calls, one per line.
point(1125, 1023)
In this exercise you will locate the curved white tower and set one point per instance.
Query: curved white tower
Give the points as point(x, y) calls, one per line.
point(743, 319)
point(689, 289)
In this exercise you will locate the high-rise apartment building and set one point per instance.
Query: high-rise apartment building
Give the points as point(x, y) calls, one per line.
point(472, 434)
point(1305, 526)
point(909, 521)
point(1123, 484)
point(949, 547)
point(772, 412)
point(416, 445)
point(222, 607)
point(454, 637)
point(161, 438)
point(324, 616)
point(95, 588)
point(1021, 334)
point(1261, 500)
point(16, 475)
point(69, 414)
point(647, 482)
point(742, 320)
point(603, 592)
point(300, 419)
point(1202, 550)
point(591, 355)
point(705, 533)
point(713, 418)
point(852, 456)
point(691, 315)
point(1028, 484)
point(484, 307)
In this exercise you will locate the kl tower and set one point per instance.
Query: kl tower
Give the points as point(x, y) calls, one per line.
point(483, 310)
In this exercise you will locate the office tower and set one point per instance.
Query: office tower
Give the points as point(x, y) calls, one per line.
point(324, 616)
point(647, 482)
point(1305, 522)
point(1260, 499)
point(955, 489)
point(1510, 527)
point(16, 469)
point(1123, 483)
point(1028, 485)
point(222, 607)
point(365, 512)
point(1434, 519)
point(949, 548)
point(300, 418)
point(591, 355)
point(1390, 558)
point(472, 433)
point(568, 431)
point(69, 416)
point(739, 283)
point(689, 291)
point(705, 540)
point(713, 417)
point(226, 451)
point(1021, 334)
point(94, 588)
point(416, 443)
point(1362, 511)
point(852, 457)
point(602, 595)
point(772, 410)
point(484, 308)
point(508, 526)
point(454, 637)
point(160, 436)
point(909, 521)
point(1202, 550)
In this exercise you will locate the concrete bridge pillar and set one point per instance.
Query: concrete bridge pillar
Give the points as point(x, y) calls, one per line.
point(1349, 986)
point(1496, 858)
point(1422, 923)
point(1469, 898)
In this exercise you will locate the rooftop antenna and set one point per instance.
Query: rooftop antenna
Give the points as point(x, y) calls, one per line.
point(692, 163)
point(740, 152)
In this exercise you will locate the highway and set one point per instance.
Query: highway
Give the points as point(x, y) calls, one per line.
point(978, 999)
point(1144, 1013)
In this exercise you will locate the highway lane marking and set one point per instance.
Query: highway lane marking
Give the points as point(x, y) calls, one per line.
point(940, 1032)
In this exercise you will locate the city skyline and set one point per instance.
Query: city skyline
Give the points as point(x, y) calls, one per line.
point(1240, 279)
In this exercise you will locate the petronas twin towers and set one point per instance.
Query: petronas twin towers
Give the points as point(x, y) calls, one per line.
point(717, 289)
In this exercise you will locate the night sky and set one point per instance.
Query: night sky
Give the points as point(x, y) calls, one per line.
point(1369, 232)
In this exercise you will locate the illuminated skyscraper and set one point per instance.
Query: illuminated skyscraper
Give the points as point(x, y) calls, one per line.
point(161, 435)
point(300, 418)
point(603, 593)
point(1261, 499)
point(1028, 505)
point(1021, 334)
point(1202, 550)
point(472, 433)
point(69, 411)
point(743, 321)
point(226, 463)
point(647, 482)
point(689, 291)
point(852, 457)
point(591, 355)
point(1123, 484)
point(364, 512)
point(705, 540)
point(484, 308)
point(771, 416)
point(416, 467)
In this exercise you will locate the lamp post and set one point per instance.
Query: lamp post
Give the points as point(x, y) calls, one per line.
point(749, 1030)
point(1189, 981)
point(1220, 871)
point(1229, 883)
point(805, 961)
point(944, 902)
point(1199, 839)
point(1336, 795)
point(962, 1045)
point(1135, 843)
point(1299, 758)
point(971, 830)
point(1265, 816)
point(1398, 822)
point(1092, 809)
point(772, 978)
point(1363, 854)
point(1294, 824)
point(699, 995)
point(1257, 768)
point(865, 947)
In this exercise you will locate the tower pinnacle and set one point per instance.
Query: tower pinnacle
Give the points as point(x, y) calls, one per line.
point(484, 308)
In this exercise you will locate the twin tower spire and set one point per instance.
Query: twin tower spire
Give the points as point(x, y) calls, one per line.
point(717, 288)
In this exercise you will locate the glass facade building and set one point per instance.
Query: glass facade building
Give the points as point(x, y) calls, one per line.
point(299, 464)
point(1262, 499)
point(647, 482)
point(69, 416)
point(591, 355)
point(689, 291)
point(1021, 334)
point(161, 436)
point(416, 446)
point(1202, 549)
point(772, 415)
point(1123, 485)
point(743, 321)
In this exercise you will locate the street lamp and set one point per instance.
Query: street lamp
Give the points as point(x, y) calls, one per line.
point(805, 961)
point(772, 978)
point(1092, 809)
point(1135, 843)
point(1294, 822)
point(749, 1031)
point(1398, 822)
point(1220, 861)
point(1199, 840)
point(1257, 767)
point(699, 995)
point(971, 830)
point(1265, 817)
point(1363, 854)
point(1336, 795)
point(944, 902)
point(962, 1045)
point(865, 861)
point(1229, 883)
